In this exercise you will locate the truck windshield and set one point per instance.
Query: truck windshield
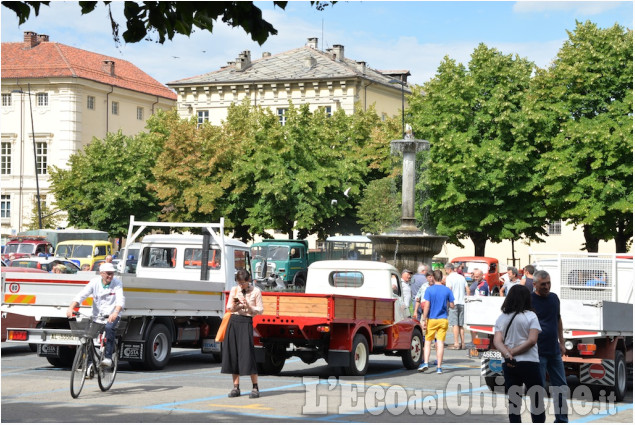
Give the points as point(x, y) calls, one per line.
point(270, 252)
point(82, 251)
point(20, 248)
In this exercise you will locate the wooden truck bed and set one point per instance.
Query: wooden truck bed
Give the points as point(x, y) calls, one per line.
point(328, 308)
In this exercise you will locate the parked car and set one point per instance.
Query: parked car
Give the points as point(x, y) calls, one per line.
point(45, 264)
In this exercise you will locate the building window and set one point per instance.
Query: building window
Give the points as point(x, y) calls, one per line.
point(5, 158)
point(90, 102)
point(282, 115)
point(5, 206)
point(327, 109)
point(41, 157)
point(139, 113)
point(42, 99)
point(115, 108)
point(555, 227)
point(203, 116)
point(6, 99)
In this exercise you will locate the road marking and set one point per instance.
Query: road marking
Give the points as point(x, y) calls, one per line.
point(246, 406)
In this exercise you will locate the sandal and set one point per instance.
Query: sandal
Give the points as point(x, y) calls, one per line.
point(254, 393)
point(454, 347)
point(235, 392)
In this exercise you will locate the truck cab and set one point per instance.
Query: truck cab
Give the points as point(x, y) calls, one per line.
point(280, 263)
point(84, 251)
point(26, 246)
point(488, 265)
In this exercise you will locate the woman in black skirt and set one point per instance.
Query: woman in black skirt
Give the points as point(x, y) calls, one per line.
point(244, 302)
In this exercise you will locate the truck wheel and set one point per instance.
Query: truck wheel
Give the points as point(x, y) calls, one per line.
point(158, 347)
point(358, 364)
point(496, 291)
point(620, 376)
point(67, 355)
point(274, 361)
point(299, 282)
point(411, 358)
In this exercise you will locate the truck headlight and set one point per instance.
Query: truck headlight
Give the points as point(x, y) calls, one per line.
point(568, 345)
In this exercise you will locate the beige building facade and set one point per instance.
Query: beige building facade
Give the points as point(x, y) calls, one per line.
point(322, 79)
point(55, 100)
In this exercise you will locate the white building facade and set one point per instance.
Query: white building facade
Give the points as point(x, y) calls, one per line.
point(55, 100)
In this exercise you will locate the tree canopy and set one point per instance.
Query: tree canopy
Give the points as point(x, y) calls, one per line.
point(583, 111)
point(478, 171)
point(168, 18)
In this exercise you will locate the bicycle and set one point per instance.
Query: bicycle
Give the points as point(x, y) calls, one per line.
point(89, 355)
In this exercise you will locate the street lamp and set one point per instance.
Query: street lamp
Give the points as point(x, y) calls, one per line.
point(37, 181)
point(403, 118)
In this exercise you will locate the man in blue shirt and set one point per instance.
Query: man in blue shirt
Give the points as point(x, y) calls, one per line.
point(435, 318)
point(546, 304)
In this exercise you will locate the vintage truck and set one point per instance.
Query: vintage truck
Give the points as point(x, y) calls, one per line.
point(348, 311)
point(489, 266)
point(44, 241)
point(174, 299)
point(596, 307)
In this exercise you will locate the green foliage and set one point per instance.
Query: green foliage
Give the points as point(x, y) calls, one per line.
point(107, 182)
point(379, 210)
point(49, 218)
point(478, 172)
point(168, 18)
point(583, 106)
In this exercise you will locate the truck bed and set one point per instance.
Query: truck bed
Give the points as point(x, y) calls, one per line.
point(282, 307)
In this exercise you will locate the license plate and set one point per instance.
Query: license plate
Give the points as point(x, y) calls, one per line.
point(210, 345)
point(492, 355)
point(62, 337)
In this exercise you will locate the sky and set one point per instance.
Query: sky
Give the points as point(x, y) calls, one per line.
point(412, 35)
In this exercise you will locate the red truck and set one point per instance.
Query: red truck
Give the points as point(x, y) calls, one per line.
point(348, 311)
point(489, 266)
point(26, 246)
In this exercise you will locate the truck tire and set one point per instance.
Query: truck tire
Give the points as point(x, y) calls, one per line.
point(359, 355)
point(158, 347)
point(274, 361)
point(67, 355)
point(621, 376)
point(412, 358)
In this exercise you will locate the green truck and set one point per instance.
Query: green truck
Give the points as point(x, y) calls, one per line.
point(281, 264)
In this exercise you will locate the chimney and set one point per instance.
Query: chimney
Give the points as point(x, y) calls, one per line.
point(312, 42)
point(42, 38)
point(338, 49)
point(30, 39)
point(243, 61)
point(266, 54)
point(309, 62)
point(361, 66)
point(108, 66)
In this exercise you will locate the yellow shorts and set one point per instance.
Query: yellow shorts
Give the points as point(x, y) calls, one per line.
point(436, 327)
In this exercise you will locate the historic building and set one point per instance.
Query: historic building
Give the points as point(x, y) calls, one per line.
point(55, 99)
point(323, 79)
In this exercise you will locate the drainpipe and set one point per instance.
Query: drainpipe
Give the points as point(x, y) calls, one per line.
point(152, 107)
point(112, 89)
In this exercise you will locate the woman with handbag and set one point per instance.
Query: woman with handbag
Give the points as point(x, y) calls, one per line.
point(244, 302)
point(515, 336)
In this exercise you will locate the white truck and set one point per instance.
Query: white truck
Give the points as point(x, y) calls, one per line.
point(596, 307)
point(176, 297)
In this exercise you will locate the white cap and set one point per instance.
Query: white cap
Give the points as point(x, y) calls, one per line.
point(106, 267)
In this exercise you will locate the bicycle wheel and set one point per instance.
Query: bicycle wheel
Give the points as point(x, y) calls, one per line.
point(78, 372)
point(106, 375)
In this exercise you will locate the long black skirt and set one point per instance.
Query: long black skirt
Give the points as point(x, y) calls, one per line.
point(239, 357)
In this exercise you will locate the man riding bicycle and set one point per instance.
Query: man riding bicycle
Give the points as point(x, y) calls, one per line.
point(108, 300)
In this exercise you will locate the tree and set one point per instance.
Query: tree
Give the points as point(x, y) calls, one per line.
point(582, 107)
point(478, 170)
point(49, 220)
point(106, 183)
point(378, 211)
point(168, 18)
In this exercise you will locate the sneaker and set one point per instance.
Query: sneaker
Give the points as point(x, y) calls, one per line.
point(106, 362)
point(254, 393)
point(235, 392)
point(439, 370)
point(423, 368)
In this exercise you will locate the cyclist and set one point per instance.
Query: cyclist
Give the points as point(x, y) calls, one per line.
point(108, 300)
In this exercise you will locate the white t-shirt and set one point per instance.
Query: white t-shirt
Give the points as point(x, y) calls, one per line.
point(105, 298)
point(457, 284)
point(406, 293)
point(519, 333)
point(508, 284)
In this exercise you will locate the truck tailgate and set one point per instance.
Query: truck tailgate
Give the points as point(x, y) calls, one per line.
point(481, 312)
point(608, 317)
